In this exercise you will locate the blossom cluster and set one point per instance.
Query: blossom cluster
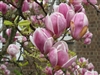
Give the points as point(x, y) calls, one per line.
point(69, 16)
point(4, 70)
point(64, 16)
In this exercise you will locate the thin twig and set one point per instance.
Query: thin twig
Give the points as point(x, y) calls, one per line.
point(97, 9)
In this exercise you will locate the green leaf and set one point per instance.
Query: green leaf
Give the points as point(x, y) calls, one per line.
point(8, 23)
point(17, 72)
point(24, 23)
point(23, 64)
point(71, 53)
point(16, 19)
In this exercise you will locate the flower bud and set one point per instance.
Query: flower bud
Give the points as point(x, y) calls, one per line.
point(25, 6)
point(3, 67)
point(3, 7)
point(79, 25)
point(87, 41)
point(13, 49)
point(7, 72)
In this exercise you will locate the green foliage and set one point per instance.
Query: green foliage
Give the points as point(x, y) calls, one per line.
point(24, 23)
point(17, 72)
point(16, 19)
point(71, 53)
point(8, 23)
point(23, 64)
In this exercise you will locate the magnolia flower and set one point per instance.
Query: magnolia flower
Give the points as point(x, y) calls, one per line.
point(3, 7)
point(87, 41)
point(13, 49)
point(67, 11)
point(92, 1)
point(90, 66)
point(59, 72)
point(25, 6)
point(87, 37)
point(79, 25)
point(78, 8)
point(37, 19)
point(59, 57)
point(7, 72)
point(3, 67)
point(48, 71)
point(83, 60)
point(91, 73)
point(42, 39)
point(82, 70)
point(56, 23)
point(8, 32)
point(35, 7)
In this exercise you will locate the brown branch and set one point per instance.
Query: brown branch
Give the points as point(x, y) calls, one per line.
point(96, 8)
point(41, 5)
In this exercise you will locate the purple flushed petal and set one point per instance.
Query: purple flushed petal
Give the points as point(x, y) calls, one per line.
point(63, 8)
point(69, 62)
point(63, 57)
point(91, 73)
point(69, 16)
point(88, 35)
point(48, 44)
point(61, 25)
point(25, 6)
point(3, 7)
point(48, 23)
point(61, 45)
point(53, 57)
point(59, 72)
point(90, 66)
point(87, 41)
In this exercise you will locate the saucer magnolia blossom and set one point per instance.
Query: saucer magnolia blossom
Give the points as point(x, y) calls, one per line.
point(13, 49)
point(68, 13)
point(42, 39)
point(59, 56)
point(87, 37)
point(25, 6)
point(91, 73)
point(3, 7)
point(79, 25)
point(56, 23)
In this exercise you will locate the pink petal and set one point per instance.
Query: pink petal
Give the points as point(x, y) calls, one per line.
point(48, 23)
point(53, 57)
point(63, 8)
point(69, 16)
point(37, 41)
point(69, 62)
point(48, 44)
point(61, 24)
point(62, 57)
